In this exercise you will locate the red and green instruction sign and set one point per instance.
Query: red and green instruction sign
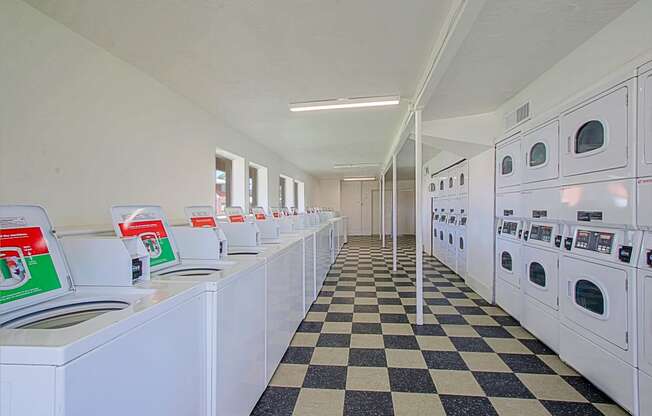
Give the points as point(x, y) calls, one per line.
point(203, 222)
point(26, 265)
point(154, 236)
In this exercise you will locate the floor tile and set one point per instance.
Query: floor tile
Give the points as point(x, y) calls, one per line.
point(444, 360)
point(401, 342)
point(480, 361)
point(330, 356)
point(405, 358)
point(550, 387)
point(570, 408)
point(435, 343)
point(470, 344)
point(456, 382)
point(368, 403)
point(507, 345)
point(518, 407)
point(467, 405)
point(334, 340)
point(417, 404)
point(521, 363)
point(325, 377)
point(319, 402)
point(502, 385)
point(411, 380)
point(397, 329)
point(305, 339)
point(297, 355)
point(276, 401)
point(367, 357)
point(289, 375)
point(367, 341)
point(367, 379)
point(588, 390)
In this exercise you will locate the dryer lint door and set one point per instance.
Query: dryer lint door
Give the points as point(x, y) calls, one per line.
point(595, 137)
point(541, 275)
point(508, 164)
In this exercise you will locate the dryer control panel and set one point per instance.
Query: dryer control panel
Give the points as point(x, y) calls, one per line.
point(541, 233)
point(597, 241)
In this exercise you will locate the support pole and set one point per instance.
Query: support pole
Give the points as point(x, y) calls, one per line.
point(418, 179)
point(394, 212)
point(382, 209)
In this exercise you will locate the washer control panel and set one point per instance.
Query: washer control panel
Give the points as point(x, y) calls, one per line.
point(597, 241)
point(541, 233)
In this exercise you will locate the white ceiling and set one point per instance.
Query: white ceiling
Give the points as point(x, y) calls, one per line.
point(512, 43)
point(245, 60)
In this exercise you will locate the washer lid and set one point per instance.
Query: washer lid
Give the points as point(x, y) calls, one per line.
point(33, 268)
point(149, 223)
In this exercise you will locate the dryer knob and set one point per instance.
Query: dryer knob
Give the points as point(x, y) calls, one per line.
point(625, 254)
point(557, 241)
point(649, 258)
point(526, 235)
point(568, 243)
point(520, 232)
point(499, 229)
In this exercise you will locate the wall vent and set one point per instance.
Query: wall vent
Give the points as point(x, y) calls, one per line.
point(518, 116)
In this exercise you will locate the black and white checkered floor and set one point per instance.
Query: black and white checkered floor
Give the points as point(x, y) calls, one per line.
point(358, 351)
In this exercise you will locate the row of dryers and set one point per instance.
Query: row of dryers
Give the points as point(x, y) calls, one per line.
point(573, 246)
point(449, 209)
point(157, 319)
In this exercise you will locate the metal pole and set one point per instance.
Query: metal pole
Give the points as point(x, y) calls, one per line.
point(394, 212)
point(382, 209)
point(418, 179)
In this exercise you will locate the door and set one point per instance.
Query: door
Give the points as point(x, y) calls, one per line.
point(541, 148)
point(645, 123)
point(508, 262)
point(352, 205)
point(595, 298)
point(541, 278)
point(645, 320)
point(405, 212)
point(595, 135)
point(508, 164)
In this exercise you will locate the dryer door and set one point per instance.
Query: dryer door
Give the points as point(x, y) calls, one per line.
point(541, 147)
point(541, 280)
point(508, 164)
point(645, 124)
point(595, 135)
point(595, 298)
point(508, 262)
point(645, 321)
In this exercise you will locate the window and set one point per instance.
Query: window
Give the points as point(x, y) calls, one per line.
point(281, 192)
point(506, 261)
point(253, 186)
point(589, 137)
point(589, 296)
point(507, 165)
point(223, 174)
point(537, 274)
point(462, 179)
point(538, 154)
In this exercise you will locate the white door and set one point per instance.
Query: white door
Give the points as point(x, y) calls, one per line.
point(352, 205)
point(508, 262)
point(595, 135)
point(508, 164)
point(541, 279)
point(594, 297)
point(645, 123)
point(541, 148)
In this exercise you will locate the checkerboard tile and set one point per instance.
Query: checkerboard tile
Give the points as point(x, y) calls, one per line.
point(359, 352)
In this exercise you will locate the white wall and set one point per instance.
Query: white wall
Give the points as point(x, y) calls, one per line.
point(329, 194)
point(81, 130)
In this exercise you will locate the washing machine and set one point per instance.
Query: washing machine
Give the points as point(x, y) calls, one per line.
point(434, 222)
point(77, 344)
point(541, 148)
point(509, 244)
point(598, 136)
point(463, 179)
point(509, 163)
point(442, 229)
point(461, 244)
point(597, 304)
point(644, 285)
point(451, 237)
point(644, 182)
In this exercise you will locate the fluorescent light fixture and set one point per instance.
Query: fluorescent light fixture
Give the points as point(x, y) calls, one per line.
point(359, 179)
point(341, 103)
point(354, 165)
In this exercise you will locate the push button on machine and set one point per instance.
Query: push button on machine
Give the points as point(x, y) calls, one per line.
point(625, 254)
point(568, 243)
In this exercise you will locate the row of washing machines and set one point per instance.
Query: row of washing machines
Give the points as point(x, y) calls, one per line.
point(449, 214)
point(190, 319)
point(574, 235)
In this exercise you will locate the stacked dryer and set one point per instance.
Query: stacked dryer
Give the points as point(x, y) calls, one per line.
point(644, 220)
point(449, 216)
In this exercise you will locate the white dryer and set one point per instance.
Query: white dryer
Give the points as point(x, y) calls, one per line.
point(541, 163)
point(597, 304)
point(644, 285)
point(508, 262)
point(451, 237)
point(509, 163)
point(598, 136)
point(105, 350)
point(461, 245)
point(644, 182)
point(463, 179)
point(441, 241)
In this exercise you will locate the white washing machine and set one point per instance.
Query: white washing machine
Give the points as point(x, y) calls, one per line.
point(644, 182)
point(441, 241)
point(451, 233)
point(644, 286)
point(541, 249)
point(597, 276)
point(434, 224)
point(121, 347)
point(509, 163)
point(461, 245)
point(541, 163)
point(598, 136)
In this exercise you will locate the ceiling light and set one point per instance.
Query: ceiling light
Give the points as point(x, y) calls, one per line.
point(354, 165)
point(340, 103)
point(359, 179)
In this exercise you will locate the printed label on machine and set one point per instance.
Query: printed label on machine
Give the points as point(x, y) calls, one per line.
point(154, 237)
point(203, 222)
point(26, 266)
